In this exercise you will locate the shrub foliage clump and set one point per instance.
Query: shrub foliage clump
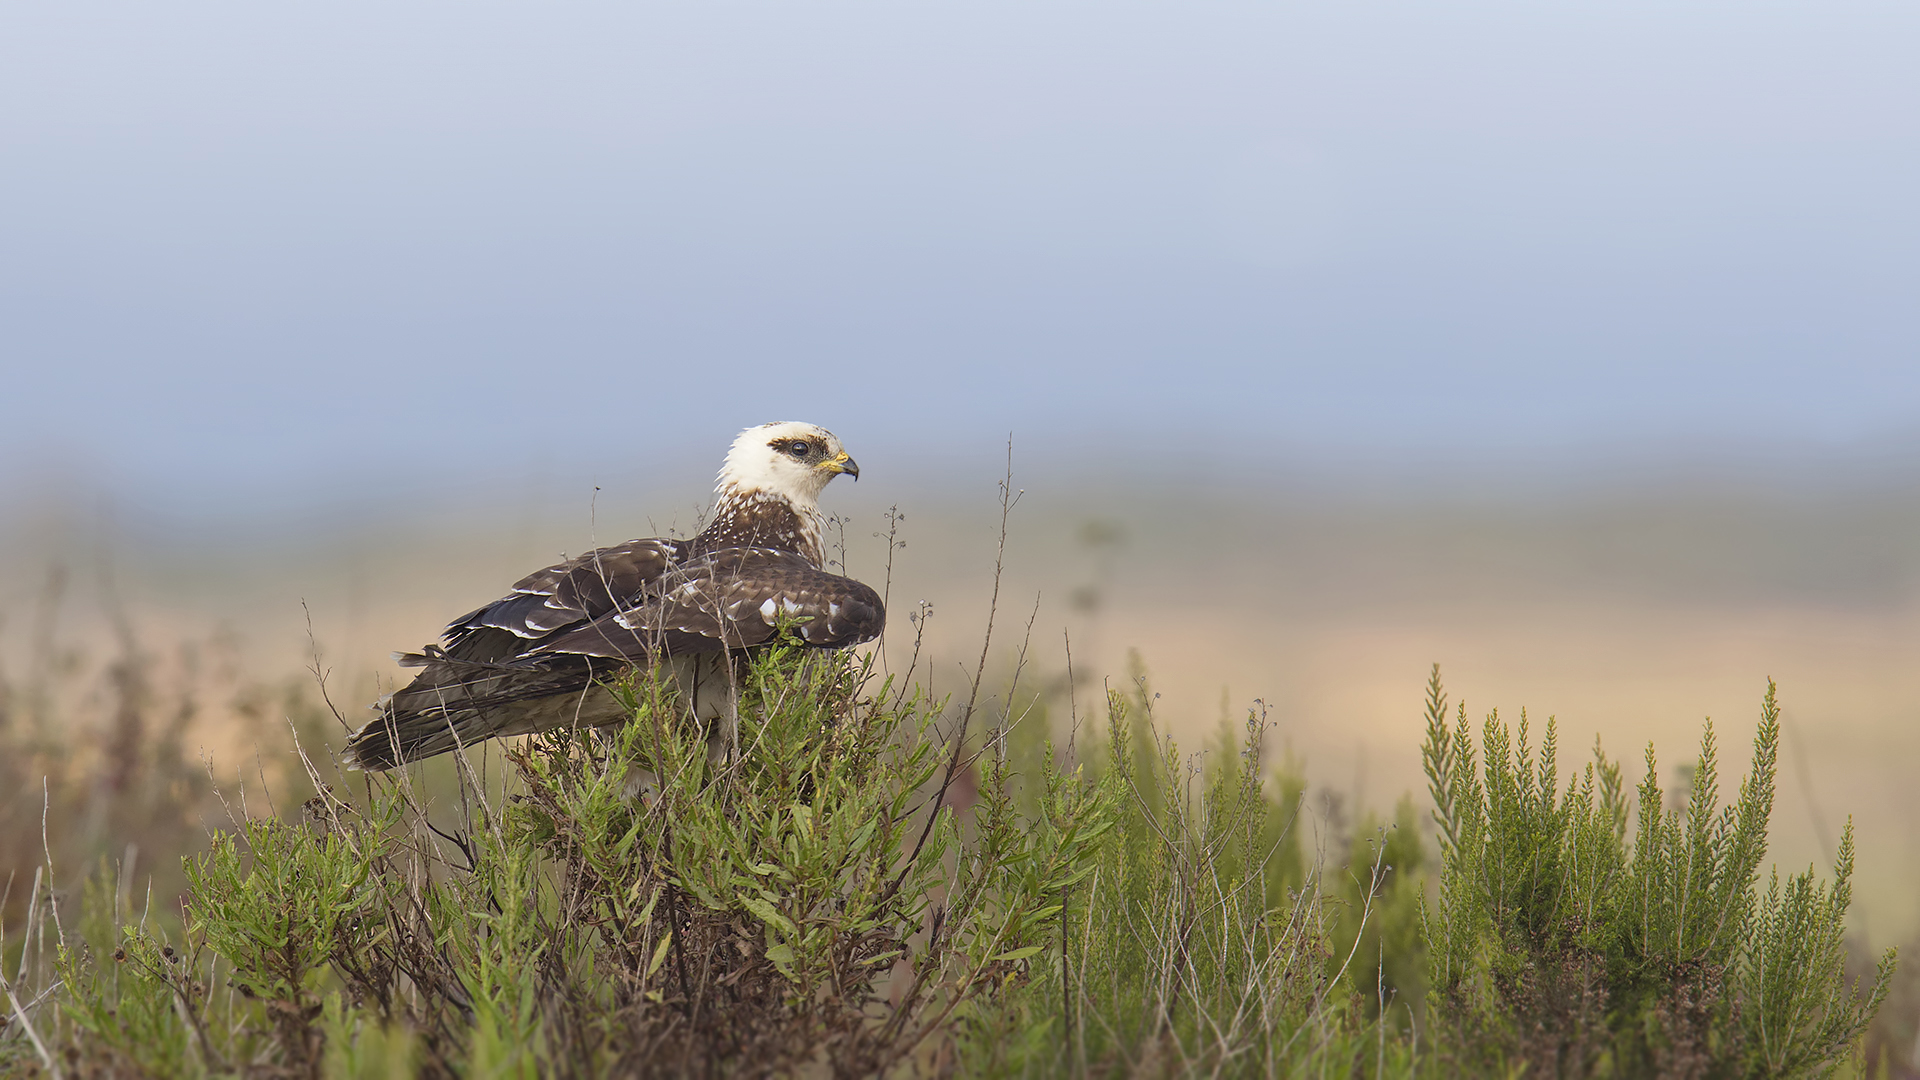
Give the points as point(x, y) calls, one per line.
point(636, 901)
point(1557, 944)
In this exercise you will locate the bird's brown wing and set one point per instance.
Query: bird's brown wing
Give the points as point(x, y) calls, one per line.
point(730, 599)
point(531, 660)
point(561, 596)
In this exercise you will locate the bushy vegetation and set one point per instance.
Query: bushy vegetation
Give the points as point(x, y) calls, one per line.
point(864, 881)
point(100, 747)
point(633, 903)
point(1557, 945)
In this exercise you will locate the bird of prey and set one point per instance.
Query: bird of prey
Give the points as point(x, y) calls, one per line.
point(539, 658)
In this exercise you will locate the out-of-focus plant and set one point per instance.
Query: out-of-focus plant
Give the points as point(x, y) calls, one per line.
point(1202, 943)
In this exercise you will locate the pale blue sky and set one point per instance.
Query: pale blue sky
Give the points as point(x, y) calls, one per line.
point(251, 250)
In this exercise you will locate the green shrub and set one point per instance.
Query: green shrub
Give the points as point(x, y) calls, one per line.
point(1201, 942)
point(630, 904)
point(1557, 945)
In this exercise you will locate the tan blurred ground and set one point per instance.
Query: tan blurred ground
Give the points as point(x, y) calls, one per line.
point(1630, 614)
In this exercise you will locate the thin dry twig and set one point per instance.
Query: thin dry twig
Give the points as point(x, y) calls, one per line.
point(1008, 499)
point(53, 901)
point(319, 674)
point(20, 1017)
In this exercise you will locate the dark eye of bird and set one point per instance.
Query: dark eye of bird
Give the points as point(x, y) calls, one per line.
point(799, 449)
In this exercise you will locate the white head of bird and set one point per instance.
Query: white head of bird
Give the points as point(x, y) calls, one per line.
point(785, 459)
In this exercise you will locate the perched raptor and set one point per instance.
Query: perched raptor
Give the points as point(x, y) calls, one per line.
point(538, 658)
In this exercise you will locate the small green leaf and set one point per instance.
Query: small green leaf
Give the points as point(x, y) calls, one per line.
point(659, 954)
point(646, 913)
point(1019, 954)
point(768, 914)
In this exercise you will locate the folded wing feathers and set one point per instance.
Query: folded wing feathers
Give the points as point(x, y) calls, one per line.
point(581, 588)
point(729, 599)
point(638, 601)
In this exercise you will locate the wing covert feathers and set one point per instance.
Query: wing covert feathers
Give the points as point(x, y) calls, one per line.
point(731, 599)
point(535, 658)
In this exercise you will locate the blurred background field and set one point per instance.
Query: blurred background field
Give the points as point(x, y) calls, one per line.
point(1628, 611)
point(1574, 350)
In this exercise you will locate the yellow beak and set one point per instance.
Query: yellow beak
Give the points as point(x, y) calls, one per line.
point(841, 463)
